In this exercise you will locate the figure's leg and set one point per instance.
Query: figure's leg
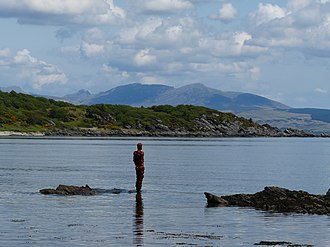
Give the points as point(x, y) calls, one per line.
point(139, 179)
point(138, 184)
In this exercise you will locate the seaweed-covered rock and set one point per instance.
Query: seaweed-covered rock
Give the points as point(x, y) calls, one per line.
point(276, 199)
point(69, 190)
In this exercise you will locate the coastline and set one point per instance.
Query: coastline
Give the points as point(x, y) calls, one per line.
point(178, 134)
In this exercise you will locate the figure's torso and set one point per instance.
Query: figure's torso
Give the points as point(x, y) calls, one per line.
point(138, 158)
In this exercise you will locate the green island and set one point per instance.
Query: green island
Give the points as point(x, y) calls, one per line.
point(25, 113)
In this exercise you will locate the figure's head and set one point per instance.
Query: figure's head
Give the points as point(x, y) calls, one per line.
point(139, 146)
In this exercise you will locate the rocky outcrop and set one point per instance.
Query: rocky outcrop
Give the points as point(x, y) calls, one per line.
point(277, 200)
point(69, 190)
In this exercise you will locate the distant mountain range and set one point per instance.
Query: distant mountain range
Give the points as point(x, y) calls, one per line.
point(137, 94)
point(260, 109)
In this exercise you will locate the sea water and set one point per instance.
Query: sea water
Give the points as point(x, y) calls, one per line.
point(171, 210)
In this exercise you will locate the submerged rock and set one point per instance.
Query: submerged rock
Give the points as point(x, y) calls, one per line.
point(277, 200)
point(69, 190)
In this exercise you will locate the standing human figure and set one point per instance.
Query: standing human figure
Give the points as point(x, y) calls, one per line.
point(138, 158)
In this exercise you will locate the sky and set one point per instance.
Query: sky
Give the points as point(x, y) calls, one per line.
point(277, 49)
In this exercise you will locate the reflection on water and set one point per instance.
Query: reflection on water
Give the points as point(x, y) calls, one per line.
point(138, 220)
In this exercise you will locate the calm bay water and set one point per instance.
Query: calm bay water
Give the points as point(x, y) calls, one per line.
point(172, 209)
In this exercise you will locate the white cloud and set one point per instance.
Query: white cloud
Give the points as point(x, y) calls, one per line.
point(32, 70)
point(227, 13)
point(114, 73)
point(174, 33)
point(162, 33)
point(144, 57)
point(232, 45)
point(94, 34)
point(321, 90)
point(151, 80)
point(108, 69)
point(241, 37)
point(303, 27)
point(90, 50)
point(267, 13)
point(41, 80)
point(141, 31)
point(163, 6)
point(5, 52)
point(229, 68)
point(255, 73)
point(308, 17)
point(62, 11)
point(23, 57)
point(148, 27)
point(296, 5)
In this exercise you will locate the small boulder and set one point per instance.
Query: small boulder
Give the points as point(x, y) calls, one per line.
point(69, 190)
point(215, 200)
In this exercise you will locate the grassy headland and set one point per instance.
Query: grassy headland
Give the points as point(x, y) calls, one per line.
point(26, 113)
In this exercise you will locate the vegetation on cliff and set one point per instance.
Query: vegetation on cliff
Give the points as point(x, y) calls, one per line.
point(21, 112)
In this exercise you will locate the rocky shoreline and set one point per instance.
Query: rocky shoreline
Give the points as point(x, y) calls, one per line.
point(219, 131)
point(128, 133)
point(232, 131)
point(276, 199)
point(204, 126)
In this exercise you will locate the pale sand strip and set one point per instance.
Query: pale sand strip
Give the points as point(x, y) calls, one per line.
point(15, 133)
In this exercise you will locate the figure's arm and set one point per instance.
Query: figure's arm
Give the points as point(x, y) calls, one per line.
point(134, 157)
point(142, 157)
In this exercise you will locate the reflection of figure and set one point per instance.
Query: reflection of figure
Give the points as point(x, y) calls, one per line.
point(138, 224)
point(138, 158)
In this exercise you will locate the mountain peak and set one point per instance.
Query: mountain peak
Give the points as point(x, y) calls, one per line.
point(78, 97)
point(17, 89)
point(135, 94)
point(195, 85)
point(84, 91)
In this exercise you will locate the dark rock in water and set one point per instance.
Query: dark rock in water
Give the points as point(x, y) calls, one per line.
point(282, 243)
point(328, 194)
point(277, 200)
point(113, 191)
point(273, 243)
point(69, 190)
